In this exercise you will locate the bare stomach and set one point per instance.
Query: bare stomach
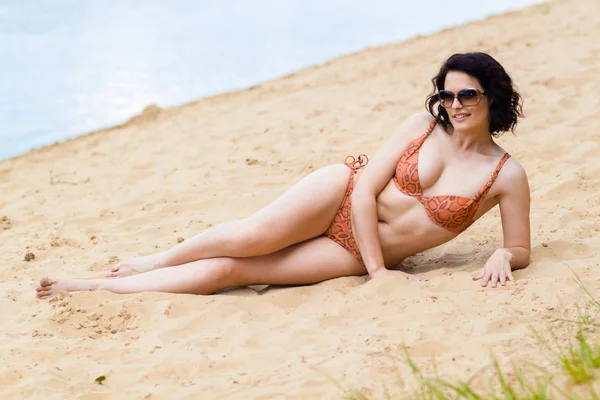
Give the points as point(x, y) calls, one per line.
point(404, 226)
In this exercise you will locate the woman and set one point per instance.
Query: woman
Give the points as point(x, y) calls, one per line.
point(438, 173)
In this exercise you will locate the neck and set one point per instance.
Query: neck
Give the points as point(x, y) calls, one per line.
point(471, 139)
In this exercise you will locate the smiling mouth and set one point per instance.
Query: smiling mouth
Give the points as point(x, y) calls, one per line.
point(461, 116)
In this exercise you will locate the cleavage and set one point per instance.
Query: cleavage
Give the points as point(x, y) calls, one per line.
point(434, 177)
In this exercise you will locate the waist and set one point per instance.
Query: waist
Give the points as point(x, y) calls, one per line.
point(408, 236)
point(404, 226)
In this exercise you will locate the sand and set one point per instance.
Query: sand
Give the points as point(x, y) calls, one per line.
point(130, 190)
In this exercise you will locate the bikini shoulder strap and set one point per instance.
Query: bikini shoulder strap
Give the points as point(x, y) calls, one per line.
point(430, 128)
point(495, 174)
point(419, 141)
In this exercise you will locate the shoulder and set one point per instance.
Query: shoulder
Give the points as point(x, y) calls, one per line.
point(415, 125)
point(420, 119)
point(512, 177)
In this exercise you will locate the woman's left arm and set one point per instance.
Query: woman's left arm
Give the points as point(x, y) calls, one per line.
point(514, 200)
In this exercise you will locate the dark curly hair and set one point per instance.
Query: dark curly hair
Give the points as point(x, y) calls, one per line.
point(505, 103)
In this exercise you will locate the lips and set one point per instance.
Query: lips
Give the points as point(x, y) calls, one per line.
point(461, 116)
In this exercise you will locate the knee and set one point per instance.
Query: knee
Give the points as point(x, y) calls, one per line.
point(258, 237)
point(223, 271)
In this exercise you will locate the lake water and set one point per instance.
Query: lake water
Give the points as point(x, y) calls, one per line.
point(71, 66)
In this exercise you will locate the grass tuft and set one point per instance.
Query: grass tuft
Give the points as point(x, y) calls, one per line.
point(580, 358)
point(577, 359)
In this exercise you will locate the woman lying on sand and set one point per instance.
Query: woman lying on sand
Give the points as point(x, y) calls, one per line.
point(438, 173)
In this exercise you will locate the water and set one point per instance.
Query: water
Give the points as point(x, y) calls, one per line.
point(69, 67)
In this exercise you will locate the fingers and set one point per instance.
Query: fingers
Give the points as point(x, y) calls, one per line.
point(383, 273)
point(510, 275)
point(503, 279)
point(478, 277)
point(494, 279)
point(486, 278)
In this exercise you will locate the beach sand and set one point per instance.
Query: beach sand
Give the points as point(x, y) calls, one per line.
point(134, 189)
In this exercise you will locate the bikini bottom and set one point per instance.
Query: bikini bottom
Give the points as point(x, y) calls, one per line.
point(340, 230)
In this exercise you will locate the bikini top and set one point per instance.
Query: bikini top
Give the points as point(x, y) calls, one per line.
point(453, 213)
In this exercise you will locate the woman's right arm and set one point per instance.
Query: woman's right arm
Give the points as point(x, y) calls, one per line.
point(374, 178)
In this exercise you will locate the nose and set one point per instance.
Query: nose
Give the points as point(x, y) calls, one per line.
point(456, 103)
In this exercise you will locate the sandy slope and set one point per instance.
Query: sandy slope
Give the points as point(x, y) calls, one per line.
point(134, 189)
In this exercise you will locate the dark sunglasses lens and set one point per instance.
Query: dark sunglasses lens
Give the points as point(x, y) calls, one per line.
point(446, 98)
point(468, 97)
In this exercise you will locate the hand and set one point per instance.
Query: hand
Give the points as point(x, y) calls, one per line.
point(496, 269)
point(386, 272)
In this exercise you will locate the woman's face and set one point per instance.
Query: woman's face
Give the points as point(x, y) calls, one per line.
point(466, 116)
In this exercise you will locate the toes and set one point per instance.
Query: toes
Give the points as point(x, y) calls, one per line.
point(45, 282)
point(44, 291)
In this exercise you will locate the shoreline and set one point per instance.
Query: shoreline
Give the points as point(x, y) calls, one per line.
point(127, 191)
point(306, 69)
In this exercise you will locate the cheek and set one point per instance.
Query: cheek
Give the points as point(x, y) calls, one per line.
point(480, 113)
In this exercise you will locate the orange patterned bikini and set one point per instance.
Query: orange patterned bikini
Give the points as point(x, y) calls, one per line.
point(453, 213)
point(340, 230)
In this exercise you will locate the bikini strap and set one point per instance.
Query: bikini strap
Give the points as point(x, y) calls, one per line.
point(357, 163)
point(431, 126)
point(492, 179)
point(418, 142)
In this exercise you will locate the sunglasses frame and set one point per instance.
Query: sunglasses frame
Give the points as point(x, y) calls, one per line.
point(480, 94)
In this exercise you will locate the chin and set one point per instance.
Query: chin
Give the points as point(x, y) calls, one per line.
point(467, 124)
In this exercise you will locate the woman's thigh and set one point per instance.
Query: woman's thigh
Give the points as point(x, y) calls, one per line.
point(312, 261)
point(304, 211)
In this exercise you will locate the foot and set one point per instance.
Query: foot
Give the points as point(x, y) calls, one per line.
point(135, 266)
point(50, 287)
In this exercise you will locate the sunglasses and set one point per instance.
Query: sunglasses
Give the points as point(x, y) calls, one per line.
point(466, 97)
